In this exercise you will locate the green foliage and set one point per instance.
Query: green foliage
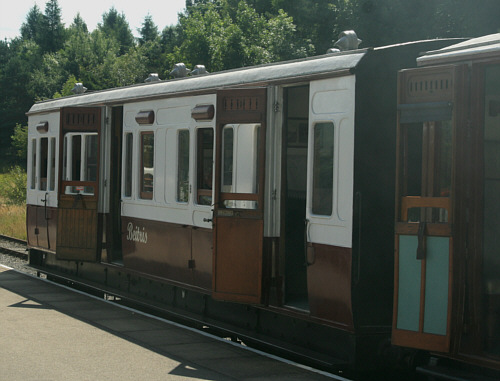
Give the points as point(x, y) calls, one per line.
point(13, 186)
point(221, 34)
point(67, 87)
point(20, 141)
point(115, 25)
point(149, 31)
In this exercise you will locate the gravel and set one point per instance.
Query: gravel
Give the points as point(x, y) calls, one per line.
point(18, 261)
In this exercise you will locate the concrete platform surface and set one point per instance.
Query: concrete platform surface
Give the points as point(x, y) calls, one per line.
point(48, 332)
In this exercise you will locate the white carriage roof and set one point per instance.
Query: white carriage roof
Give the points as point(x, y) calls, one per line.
point(276, 72)
point(477, 48)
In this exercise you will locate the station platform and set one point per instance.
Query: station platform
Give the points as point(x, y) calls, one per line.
point(50, 332)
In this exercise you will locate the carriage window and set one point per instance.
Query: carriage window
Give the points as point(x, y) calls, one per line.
point(80, 161)
point(33, 164)
point(127, 189)
point(52, 163)
point(74, 166)
point(44, 152)
point(90, 164)
point(204, 168)
point(427, 161)
point(240, 164)
point(322, 182)
point(227, 159)
point(147, 165)
point(183, 166)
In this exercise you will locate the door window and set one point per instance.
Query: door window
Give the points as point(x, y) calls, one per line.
point(80, 161)
point(426, 168)
point(204, 168)
point(322, 184)
point(240, 164)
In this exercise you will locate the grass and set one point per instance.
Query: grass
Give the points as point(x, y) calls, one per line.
point(12, 217)
point(13, 220)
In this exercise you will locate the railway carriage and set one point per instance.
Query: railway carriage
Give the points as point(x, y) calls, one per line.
point(447, 264)
point(261, 201)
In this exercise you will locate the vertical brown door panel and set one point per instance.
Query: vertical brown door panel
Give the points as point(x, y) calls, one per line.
point(238, 262)
point(77, 220)
point(238, 207)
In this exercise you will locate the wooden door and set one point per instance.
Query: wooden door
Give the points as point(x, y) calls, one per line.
point(238, 219)
point(426, 194)
point(77, 223)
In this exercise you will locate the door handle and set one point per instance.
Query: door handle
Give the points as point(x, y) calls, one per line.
point(78, 197)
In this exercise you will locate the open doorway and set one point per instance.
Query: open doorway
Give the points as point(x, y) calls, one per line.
point(294, 173)
point(114, 222)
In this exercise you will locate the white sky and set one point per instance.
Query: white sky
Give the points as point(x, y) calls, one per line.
point(164, 12)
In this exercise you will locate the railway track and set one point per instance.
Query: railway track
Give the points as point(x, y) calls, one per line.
point(14, 254)
point(13, 246)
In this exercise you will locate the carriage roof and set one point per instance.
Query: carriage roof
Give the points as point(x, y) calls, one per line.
point(255, 75)
point(475, 48)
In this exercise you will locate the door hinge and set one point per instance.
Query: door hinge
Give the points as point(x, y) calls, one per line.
point(273, 194)
point(276, 107)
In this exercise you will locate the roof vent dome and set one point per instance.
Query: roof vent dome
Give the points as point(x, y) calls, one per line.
point(153, 77)
point(78, 88)
point(180, 70)
point(199, 70)
point(348, 40)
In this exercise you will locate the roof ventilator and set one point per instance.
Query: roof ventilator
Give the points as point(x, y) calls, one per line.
point(348, 40)
point(153, 77)
point(199, 70)
point(79, 88)
point(180, 71)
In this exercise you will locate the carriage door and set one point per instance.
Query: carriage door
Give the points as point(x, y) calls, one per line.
point(238, 219)
point(425, 195)
point(77, 225)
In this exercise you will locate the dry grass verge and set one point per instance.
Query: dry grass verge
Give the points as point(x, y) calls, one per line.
point(13, 220)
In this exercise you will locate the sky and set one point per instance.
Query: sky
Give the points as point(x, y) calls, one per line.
point(163, 12)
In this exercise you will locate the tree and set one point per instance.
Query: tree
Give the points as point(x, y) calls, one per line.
point(15, 100)
point(32, 28)
point(115, 25)
point(19, 142)
point(54, 33)
point(47, 77)
point(67, 87)
point(149, 31)
point(78, 24)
